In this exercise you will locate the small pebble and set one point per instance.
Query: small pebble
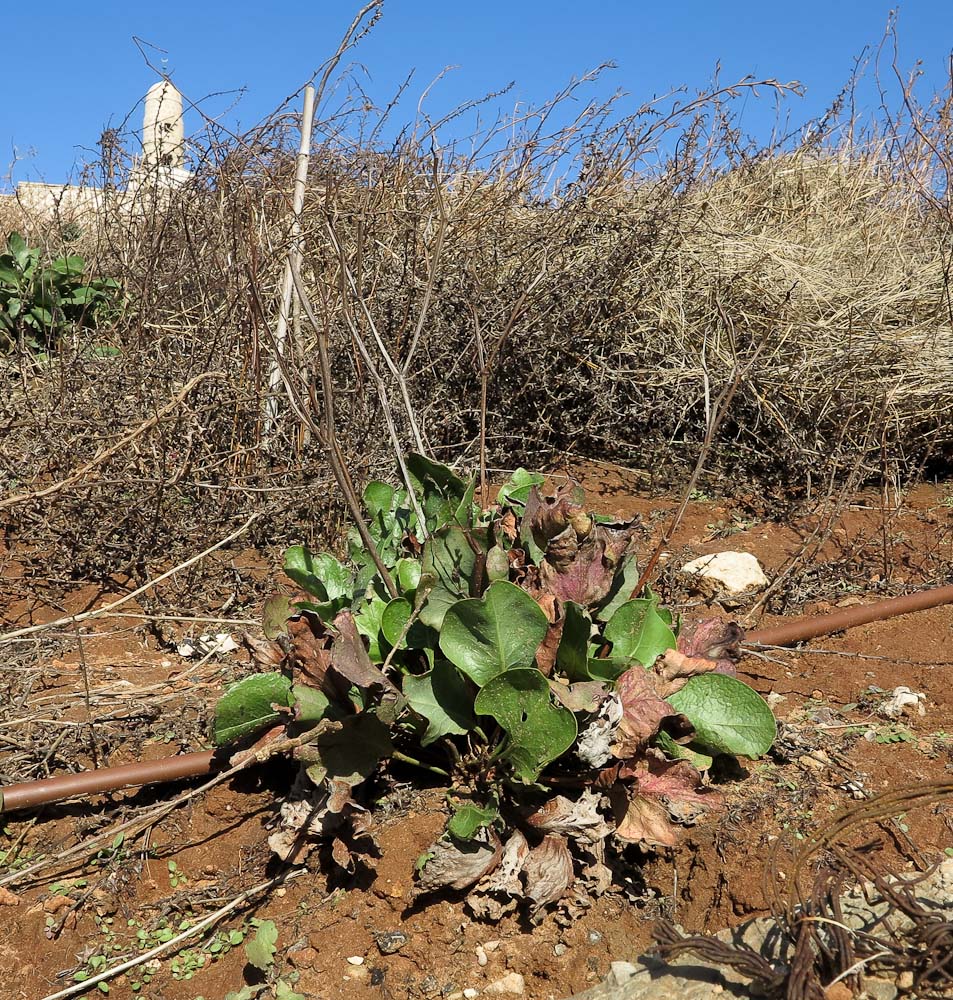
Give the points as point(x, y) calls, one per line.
point(481, 955)
point(389, 943)
point(470, 993)
point(512, 983)
point(559, 949)
point(594, 937)
point(355, 960)
point(490, 945)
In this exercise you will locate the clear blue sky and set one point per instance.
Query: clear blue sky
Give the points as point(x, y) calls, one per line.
point(71, 70)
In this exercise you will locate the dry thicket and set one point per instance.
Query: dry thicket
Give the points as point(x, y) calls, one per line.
point(597, 279)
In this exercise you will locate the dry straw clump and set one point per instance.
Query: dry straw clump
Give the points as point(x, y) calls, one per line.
point(580, 283)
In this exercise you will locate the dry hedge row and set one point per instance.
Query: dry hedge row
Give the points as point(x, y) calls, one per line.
point(607, 311)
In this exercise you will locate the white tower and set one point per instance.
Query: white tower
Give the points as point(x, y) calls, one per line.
point(163, 134)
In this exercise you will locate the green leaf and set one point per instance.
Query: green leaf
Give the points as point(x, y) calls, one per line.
point(348, 751)
point(310, 705)
point(395, 617)
point(497, 564)
point(500, 631)
point(677, 751)
point(638, 631)
point(607, 668)
point(260, 950)
point(408, 575)
point(442, 698)
point(275, 614)
point(623, 583)
point(469, 819)
point(441, 491)
point(368, 621)
point(573, 651)
point(728, 716)
point(321, 575)
point(283, 991)
point(449, 561)
point(538, 730)
point(246, 706)
point(515, 491)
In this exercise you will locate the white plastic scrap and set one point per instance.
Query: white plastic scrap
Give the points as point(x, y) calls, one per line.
point(901, 698)
point(206, 645)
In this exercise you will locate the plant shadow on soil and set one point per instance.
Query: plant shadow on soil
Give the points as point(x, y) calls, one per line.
point(832, 742)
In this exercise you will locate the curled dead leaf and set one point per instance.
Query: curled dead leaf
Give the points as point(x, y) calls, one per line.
point(458, 864)
point(714, 639)
point(499, 891)
point(641, 820)
point(548, 872)
point(580, 819)
point(643, 711)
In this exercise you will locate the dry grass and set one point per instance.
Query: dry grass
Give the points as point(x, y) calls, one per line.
point(609, 309)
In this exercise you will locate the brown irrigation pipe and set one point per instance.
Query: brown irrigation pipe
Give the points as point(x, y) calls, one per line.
point(809, 628)
point(192, 765)
point(105, 779)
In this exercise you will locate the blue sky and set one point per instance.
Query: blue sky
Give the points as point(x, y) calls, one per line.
point(71, 71)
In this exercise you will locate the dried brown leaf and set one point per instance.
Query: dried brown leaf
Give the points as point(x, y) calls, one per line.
point(643, 711)
point(457, 865)
point(579, 819)
point(713, 639)
point(548, 872)
point(349, 657)
point(641, 820)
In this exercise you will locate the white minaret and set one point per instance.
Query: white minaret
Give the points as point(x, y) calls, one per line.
point(163, 134)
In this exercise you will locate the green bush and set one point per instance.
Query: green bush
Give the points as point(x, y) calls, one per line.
point(41, 302)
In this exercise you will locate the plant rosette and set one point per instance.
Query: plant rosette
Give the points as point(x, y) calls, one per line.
point(567, 717)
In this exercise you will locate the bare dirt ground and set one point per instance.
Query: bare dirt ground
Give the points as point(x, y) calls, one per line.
point(118, 691)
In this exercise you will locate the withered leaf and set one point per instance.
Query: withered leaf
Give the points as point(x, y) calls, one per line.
point(309, 652)
point(641, 820)
point(505, 877)
point(579, 819)
point(714, 639)
point(341, 855)
point(677, 786)
point(349, 657)
point(265, 653)
point(457, 865)
point(643, 711)
point(674, 670)
point(548, 872)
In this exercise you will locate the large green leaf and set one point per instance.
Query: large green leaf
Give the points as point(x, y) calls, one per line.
point(368, 621)
point(515, 491)
point(623, 583)
point(449, 563)
point(321, 575)
point(537, 730)
point(572, 655)
point(442, 698)
point(348, 751)
point(639, 631)
point(728, 716)
point(418, 636)
point(500, 631)
point(247, 706)
point(444, 496)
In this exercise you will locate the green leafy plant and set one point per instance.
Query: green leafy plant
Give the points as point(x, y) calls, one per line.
point(41, 301)
point(514, 660)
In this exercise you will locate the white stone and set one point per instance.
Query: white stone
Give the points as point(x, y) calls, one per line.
point(355, 960)
point(512, 983)
point(481, 955)
point(470, 993)
point(726, 574)
point(622, 972)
